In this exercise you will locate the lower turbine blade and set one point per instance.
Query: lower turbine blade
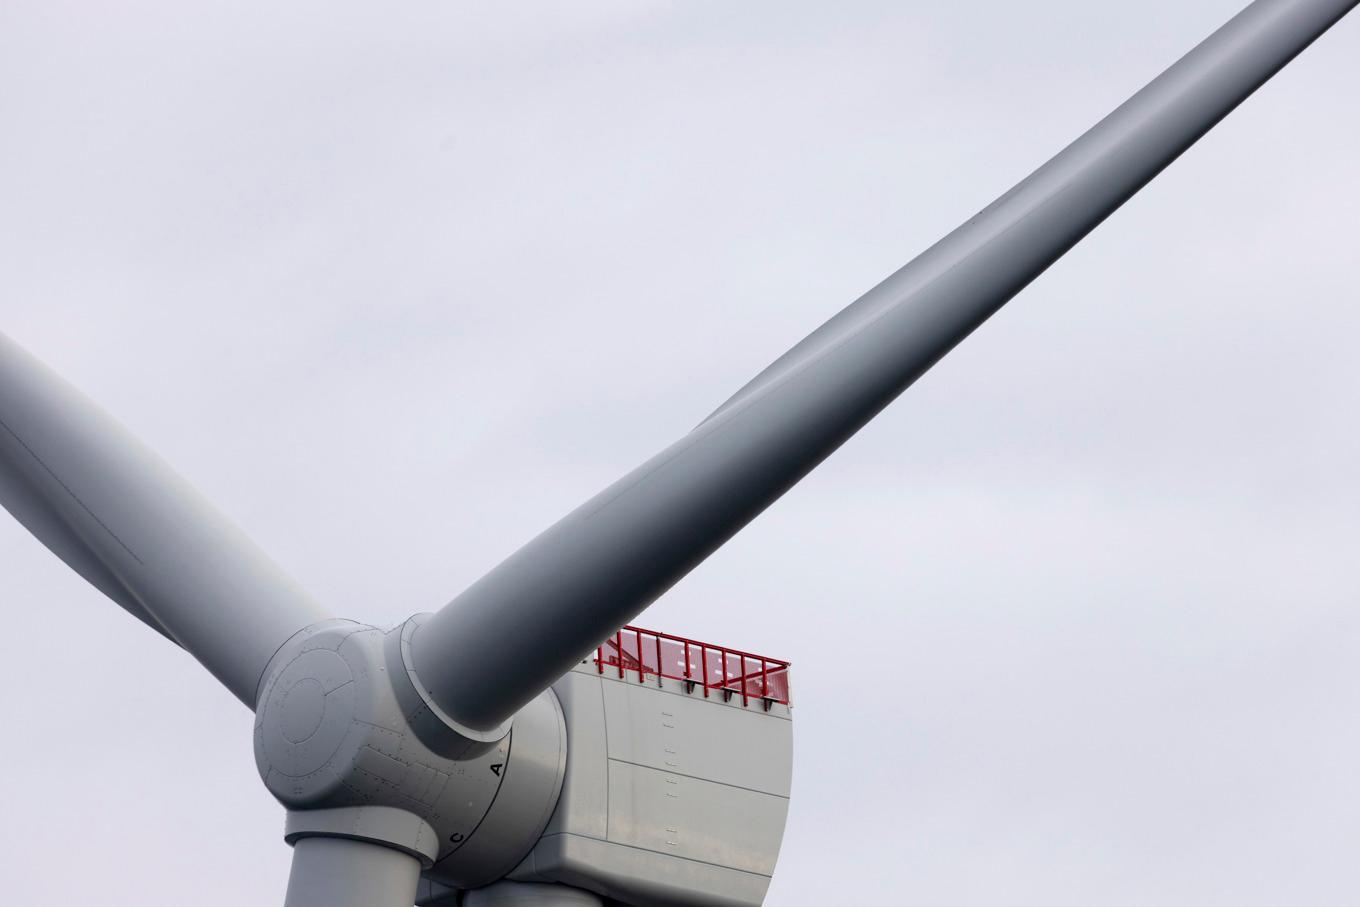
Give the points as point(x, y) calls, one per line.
point(122, 519)
point(339, 872)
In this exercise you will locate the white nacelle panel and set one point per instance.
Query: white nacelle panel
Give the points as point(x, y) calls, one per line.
point(695, 819)
point(670, 799)
point(664, 728)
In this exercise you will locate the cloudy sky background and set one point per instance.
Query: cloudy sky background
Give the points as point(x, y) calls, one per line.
point(1074, 622)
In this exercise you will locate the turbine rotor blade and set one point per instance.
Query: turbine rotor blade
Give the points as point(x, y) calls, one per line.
point(340, 872)
point(530, 619)
point(118, 516)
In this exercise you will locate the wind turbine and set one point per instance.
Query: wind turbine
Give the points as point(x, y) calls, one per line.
point(355, 726)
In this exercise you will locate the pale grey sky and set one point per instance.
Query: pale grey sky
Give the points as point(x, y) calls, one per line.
point(1073, 622)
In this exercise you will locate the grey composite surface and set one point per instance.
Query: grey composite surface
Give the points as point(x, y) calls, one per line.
point(121, 518)
point(118, 517)
point(574, 584)
point(338, 872)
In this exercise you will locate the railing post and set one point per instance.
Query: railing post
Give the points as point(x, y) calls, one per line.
point(764, 679)
point(743, 679)
point(660, 670)
point(703, 657)
point(618, 648)
point(638, 633)
point(599, 658)
point(727, 676)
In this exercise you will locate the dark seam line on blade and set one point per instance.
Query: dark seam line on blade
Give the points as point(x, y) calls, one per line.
point(74, 496)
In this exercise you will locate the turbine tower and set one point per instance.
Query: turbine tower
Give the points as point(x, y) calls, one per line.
point(415, 764)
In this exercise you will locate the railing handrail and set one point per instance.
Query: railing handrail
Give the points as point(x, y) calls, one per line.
point(764, 665)
point(712, 645)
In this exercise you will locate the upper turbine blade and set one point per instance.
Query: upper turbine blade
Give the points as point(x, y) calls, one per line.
point(121, 518)
point(530, 619)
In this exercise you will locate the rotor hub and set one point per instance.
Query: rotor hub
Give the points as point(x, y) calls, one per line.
point(343, 740)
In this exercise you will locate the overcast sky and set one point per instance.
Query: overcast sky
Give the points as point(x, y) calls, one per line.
point(397, 285)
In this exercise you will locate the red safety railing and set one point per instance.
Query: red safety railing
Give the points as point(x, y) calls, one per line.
point(699, 664)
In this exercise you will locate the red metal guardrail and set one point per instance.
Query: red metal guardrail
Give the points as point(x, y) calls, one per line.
point(713, 667)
